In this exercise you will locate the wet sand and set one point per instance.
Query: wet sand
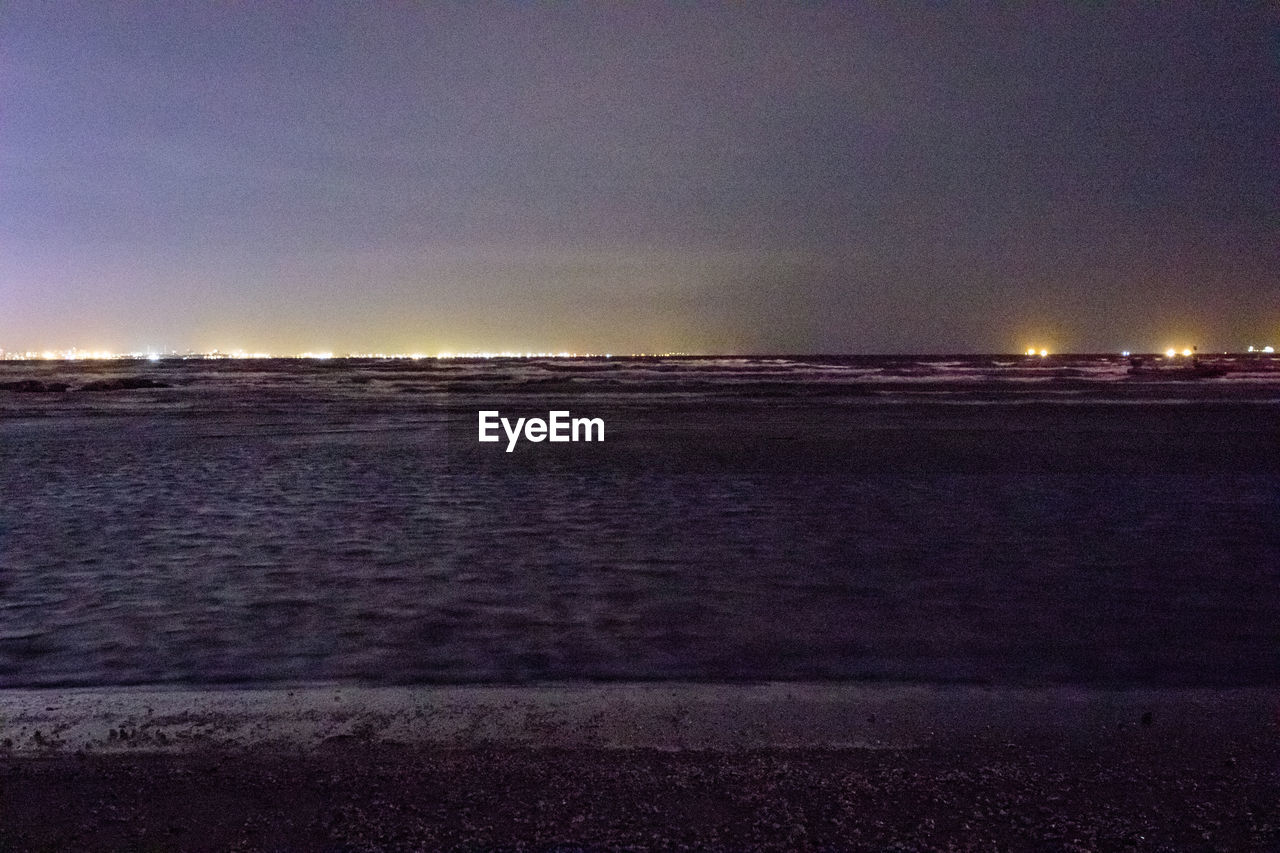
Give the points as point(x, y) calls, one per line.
point(775, 766)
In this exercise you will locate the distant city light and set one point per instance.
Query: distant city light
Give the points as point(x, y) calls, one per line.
point(75, 354)
point(1268, 349)
point(85, 355)
point(1170, 352)
point(1186, 351)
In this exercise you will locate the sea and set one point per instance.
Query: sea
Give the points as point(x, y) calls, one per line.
point(1001, 520)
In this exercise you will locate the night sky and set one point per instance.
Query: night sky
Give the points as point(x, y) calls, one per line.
point(639, 177)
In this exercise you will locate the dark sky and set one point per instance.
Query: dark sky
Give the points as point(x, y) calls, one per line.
point(626, 177)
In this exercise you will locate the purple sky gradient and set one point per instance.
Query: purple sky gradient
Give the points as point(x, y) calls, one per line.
point(761, 178)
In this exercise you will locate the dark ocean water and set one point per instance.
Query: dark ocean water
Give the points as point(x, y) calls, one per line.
point(993, 519)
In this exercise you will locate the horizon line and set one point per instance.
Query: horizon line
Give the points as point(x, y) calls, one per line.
point(219, 355)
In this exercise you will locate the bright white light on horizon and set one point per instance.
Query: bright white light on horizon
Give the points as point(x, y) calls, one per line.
point(76, 354)
point(1170, 352)
point(1125, 353)
point(1186, 351)
point(1043, 353)
point(1268, 349)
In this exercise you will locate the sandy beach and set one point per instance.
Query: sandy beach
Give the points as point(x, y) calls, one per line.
point(568, 767)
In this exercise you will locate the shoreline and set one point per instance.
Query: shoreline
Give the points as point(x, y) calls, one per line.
point(641, 767)
point(643, 715)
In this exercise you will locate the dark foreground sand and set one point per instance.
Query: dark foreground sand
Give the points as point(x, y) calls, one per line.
point(956, 769)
